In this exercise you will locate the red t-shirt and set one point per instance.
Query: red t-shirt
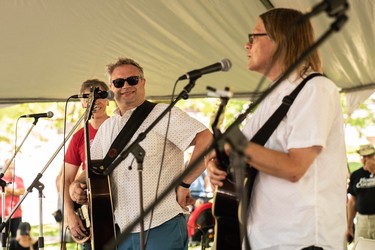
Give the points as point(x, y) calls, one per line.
point(11, 202)
point(75, 153)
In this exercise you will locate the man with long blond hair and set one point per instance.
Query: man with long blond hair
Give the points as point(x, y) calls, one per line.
point(298, 198)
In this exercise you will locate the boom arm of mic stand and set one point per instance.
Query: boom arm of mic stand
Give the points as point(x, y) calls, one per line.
point(5, 168)
point(39, 174)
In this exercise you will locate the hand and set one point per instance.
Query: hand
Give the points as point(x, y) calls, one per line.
point(215, 175)
point(349, 235)
point(183, 197)
point(77, 229)
point(78, 192)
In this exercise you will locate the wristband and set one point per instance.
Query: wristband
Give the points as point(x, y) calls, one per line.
point(184, 185)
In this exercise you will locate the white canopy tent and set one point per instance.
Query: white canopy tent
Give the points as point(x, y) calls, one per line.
point(49, 47)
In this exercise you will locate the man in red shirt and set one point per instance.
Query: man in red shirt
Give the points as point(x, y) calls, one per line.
point(75, 155)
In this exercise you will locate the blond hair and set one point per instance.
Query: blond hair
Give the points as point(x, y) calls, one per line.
point(292, 37)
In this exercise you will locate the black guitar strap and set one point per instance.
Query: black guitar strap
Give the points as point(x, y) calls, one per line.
point(271, 124)
point(127, 132)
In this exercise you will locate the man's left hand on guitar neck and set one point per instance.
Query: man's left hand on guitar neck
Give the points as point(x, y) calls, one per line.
point(216, 175)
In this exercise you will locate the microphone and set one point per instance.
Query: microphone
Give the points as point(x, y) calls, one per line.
point(223, 65)
point(49, 114)
point(97, 94)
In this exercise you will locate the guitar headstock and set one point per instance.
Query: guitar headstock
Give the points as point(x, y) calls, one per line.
point(90, 104)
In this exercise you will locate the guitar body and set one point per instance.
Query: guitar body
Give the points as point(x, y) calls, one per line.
point(225, 211)
point(102, 228)
point(101, 207)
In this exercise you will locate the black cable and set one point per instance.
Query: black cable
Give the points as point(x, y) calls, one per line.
point(161, 164)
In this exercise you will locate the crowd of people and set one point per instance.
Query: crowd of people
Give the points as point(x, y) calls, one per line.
point(299, 197)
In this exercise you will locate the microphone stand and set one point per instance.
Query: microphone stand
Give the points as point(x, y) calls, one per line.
point(139, 154)
point(232, 135)
point(4, 234)
point(38, 185)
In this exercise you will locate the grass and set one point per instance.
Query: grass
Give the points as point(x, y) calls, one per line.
point(51, 235)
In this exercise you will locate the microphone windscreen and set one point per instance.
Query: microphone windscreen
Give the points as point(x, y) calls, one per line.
point(226, 64)
point(50, 114)
point(110, 95)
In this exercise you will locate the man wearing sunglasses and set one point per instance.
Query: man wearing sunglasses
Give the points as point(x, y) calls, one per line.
point(165, 227)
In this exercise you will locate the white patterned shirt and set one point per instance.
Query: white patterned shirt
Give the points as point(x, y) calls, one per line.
point(125, 179)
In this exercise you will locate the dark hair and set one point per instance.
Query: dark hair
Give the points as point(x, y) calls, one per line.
point(292, 39)
point(91, 83)
point(24, 228)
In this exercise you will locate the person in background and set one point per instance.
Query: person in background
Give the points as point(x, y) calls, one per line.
point(13, 190)
point(75, 154)
point(23, 240)
point(361, 197)
point(200, 189)
point(298, 198)
point(163, 162)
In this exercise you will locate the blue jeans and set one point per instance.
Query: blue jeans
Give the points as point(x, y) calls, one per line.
point(171, 235)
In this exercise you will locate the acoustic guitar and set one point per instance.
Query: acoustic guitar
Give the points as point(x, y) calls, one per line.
point(225, 210)
point(102, 226)
point(225, 201)
point(100, 205)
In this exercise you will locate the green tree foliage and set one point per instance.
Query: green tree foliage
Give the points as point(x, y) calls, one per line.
point(206, 108)
point(9, 118)
point(363, 117)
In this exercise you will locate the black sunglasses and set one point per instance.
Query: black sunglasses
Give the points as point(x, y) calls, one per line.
point(120, 82)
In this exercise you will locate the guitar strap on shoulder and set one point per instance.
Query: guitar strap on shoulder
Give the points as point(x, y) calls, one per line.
point(271, 124)
point(127, 132)
point(267, 129)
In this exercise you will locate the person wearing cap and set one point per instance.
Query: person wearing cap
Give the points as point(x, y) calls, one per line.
point(24, 240)
point(361, 198)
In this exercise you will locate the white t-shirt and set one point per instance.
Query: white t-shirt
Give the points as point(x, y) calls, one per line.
point(125, 181)
point(290, 216)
